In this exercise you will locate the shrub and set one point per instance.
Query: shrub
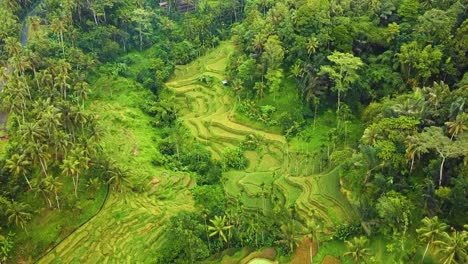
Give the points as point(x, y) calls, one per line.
point(234, 158)
point(344, 231)
point(252, 142)
point(210, 197)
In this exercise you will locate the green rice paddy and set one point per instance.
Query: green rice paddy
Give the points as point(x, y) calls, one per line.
point(129, 227)
point(284, 167)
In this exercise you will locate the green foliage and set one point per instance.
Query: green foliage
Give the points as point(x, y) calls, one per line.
point(185, 232)
point(183, 52)
point(210, 198)
point(6, 246)
point(234, 158)
point(252, 142)
point(344, 231)
point(395, 211)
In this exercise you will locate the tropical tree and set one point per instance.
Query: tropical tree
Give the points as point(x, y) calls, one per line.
point(357, 249)
point(70, 169)
point(313, 229)
point(18, 165)
point(430, 231)
point(343, 72)
point(218, 228)
point(453, 248)
point(312, 45)
point(290, 234)
point(58, 27)
point(53, 185)
point(17, 213)
point(118, 177)
point(414, 149)
point(434, 138)
point(458, 126)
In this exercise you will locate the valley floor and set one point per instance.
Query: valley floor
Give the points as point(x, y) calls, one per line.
point(130, 224)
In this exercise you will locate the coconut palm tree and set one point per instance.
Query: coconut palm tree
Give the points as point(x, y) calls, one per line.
point(18, 165)
point(18, 214)
point(431, 229)
point(58, 27)
point(453, 248)
point(312, 45)
point(260, 88)
point(82, 90)
point(313, 229)
point(219, 227)
point(118, 177)
point(357, 249)
point(458, 126)
point(414, 149)
point(70, 169)
point(289, 233)
point(53, 185)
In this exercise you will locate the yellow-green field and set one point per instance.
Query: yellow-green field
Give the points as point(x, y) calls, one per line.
point(207, 110)
point(129, 228)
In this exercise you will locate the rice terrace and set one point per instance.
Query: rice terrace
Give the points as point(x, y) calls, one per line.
point(233, 132)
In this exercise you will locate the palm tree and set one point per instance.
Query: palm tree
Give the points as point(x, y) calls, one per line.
point(238, 87)
point(58, 27)
point(259, 88)
point(17, 213)
point(289, 232)
point(453, 248)
point(414, 149)
point(18, 165)
point(12, 46)
point(312, 45)
point(52, 185)
point(430, 231)
point(51, 119)
point(258, 43)
point(370, 135)
point(70, 169)
point(117, 177)
point(357, 249)
point(31, 132)
point(313, 230)
point(82, 90)
point(218, 227)
point(458, 126)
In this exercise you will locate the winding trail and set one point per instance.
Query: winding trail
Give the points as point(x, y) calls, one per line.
point(207, 111)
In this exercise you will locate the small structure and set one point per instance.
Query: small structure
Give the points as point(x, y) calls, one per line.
point(163, 4)
point(225, 82)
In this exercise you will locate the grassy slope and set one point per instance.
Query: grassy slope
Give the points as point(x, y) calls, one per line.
point(208, 111)
point(129, 227)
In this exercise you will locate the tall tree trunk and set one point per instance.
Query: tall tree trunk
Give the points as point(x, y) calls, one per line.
point(57, 200)
point(441, 170)
point(27, 180)
point(425, 251)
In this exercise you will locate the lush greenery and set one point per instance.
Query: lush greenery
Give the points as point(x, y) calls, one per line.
point(187, 131)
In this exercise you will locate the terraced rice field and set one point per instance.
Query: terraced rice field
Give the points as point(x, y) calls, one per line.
point(128, 229)
point(207, 110)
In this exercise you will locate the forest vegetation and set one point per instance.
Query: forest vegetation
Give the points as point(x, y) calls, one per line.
point(234, 131)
